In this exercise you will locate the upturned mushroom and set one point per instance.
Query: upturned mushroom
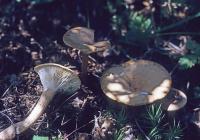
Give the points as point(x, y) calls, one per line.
point(54, 78)
point(82, 39)
point(174, 102)
point(136, 83)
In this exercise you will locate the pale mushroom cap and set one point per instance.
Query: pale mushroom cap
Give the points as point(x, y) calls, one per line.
point(136, 82)
point(57, 77)
point(82, 38)
point(174, 101)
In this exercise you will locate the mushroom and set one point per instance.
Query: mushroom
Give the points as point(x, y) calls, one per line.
point(136, 83)
point(174, 102)
point(54, 78)
point(82, 39)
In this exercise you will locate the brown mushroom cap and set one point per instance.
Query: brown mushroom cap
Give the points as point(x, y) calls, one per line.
point(174, 101)
point(82, 38)
point(57, 77)
point(136, 82)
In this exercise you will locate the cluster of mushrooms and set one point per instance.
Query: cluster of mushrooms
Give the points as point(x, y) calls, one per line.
point(133, 83)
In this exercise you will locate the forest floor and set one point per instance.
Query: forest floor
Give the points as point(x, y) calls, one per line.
point(31, 35)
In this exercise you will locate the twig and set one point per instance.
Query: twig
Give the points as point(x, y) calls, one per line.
point(171, 26)
point(7, 90)
point(146, 53)
point(92, 59)
point(78, 129)
point(95, 75)
point(174, 68)
point(141, 130)
point(7, 117)
point(7, 109)
point(64, 102)
point(63, 123)
point(33, 80)
point(76, 125)
point(39, 123)
point(177, 33)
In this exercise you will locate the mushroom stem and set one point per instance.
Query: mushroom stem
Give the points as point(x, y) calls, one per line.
point(170, 114)
point(8, 133)
point(84, 65)
point(174, 104)
point(37, 111)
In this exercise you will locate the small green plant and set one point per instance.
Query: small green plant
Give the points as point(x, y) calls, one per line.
point(155, 133)
point(139, 29)
point(40, 138)
point(35, 137)
point(192, 57)
point(129, 25)
point(121, 116)
point(140, 22)
point(174, 132)
point(154, 115)
point(156, 129)
point(153, 119)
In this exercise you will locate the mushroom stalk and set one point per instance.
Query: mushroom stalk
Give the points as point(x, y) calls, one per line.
point(170, 114)
point(37, 111)
point(84, 65)
point(8, 133)
point(174, 104)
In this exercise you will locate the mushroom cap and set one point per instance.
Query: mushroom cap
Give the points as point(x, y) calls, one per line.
point(82, 38)
point(174, 101)
point(136, 83)
point(56, 77)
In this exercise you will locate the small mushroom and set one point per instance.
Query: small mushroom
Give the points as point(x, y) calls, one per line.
point(174, 102)
point(136, 83)
point(82, 39)
point(54, 78)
